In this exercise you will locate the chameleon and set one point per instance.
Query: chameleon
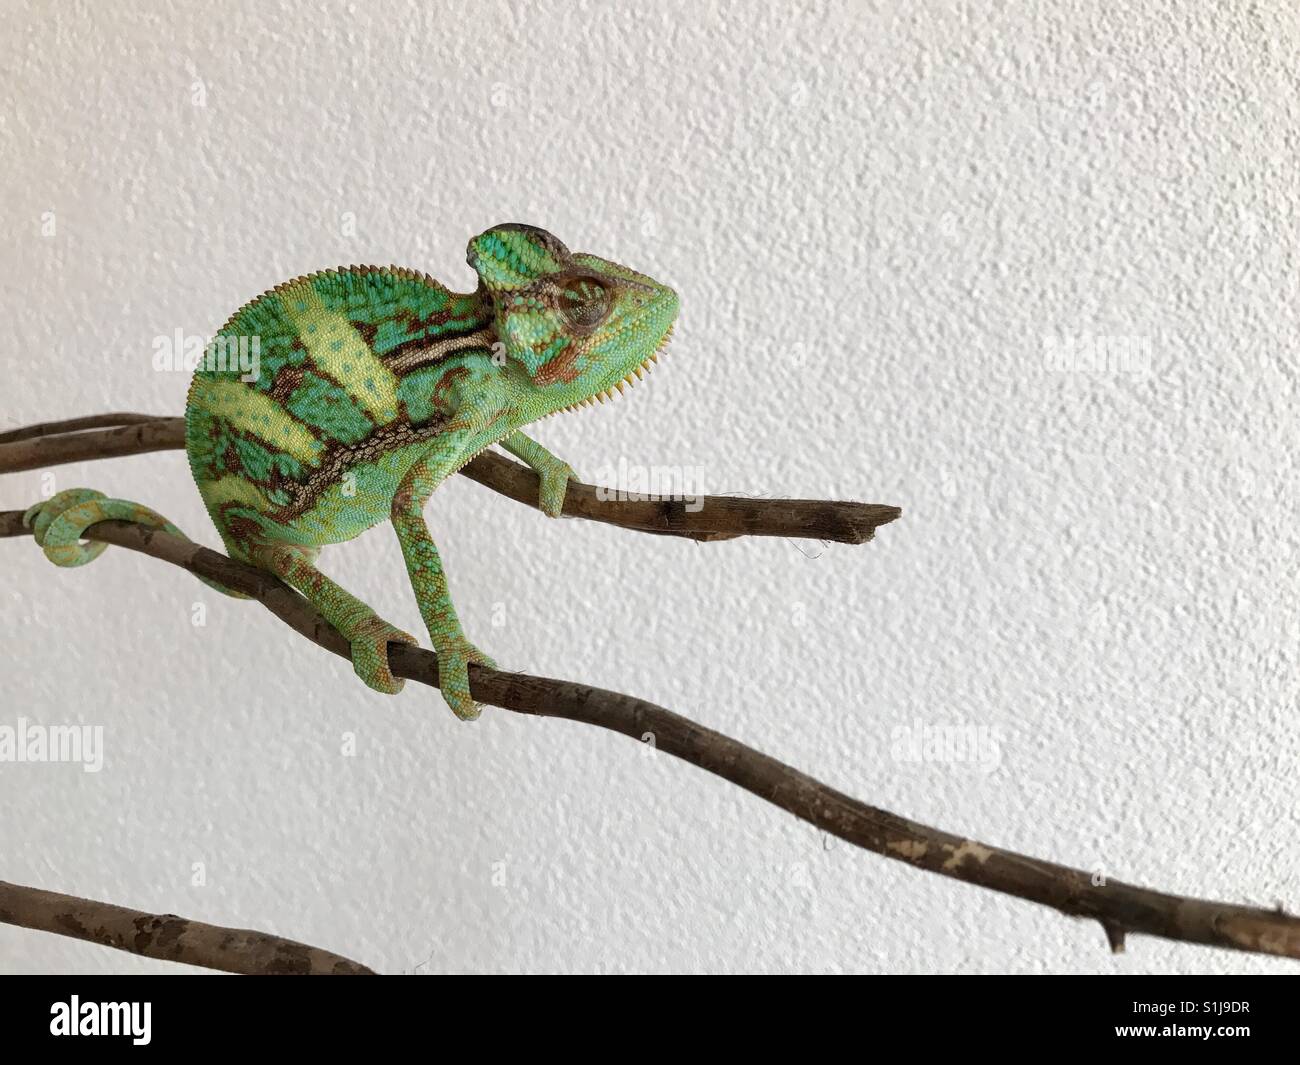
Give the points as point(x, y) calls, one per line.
point(373, 386)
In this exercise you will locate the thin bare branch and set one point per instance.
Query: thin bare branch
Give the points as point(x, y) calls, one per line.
point(168, 937)
point(39, 446)
point(72, 425)
point(1119, 907)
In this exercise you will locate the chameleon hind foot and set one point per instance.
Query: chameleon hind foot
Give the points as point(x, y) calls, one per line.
point(368, 634)
point(454, 658)
point(369, 641)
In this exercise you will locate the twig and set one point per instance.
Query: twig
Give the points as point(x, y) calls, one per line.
point(717, 517)
point(1120, 908)
point(168, 937)
point(72, 425)
point(47, 445)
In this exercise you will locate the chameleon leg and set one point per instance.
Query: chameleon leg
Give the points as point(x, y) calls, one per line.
point(59, 522)
point(366, 631)
point(428, 580)
point(554, 473)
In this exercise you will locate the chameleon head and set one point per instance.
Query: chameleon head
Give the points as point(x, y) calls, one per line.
point(579, 326)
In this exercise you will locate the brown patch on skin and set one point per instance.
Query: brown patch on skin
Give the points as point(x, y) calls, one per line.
point(287, 379)
point(561, 368)
point(403, 497)
point(413, 323)
point(366, 330)
point(329, 379)
point(278, 482)
point(445, 384)
point(240, 529)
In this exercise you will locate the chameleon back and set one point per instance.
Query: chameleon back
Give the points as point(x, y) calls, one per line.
point(314, 399)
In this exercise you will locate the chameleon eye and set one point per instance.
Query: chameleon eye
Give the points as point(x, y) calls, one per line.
point(584, 301)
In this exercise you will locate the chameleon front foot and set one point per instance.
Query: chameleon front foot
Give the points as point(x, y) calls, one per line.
point(555, 483)
point(370, 642)
point(453, 676)
point(554, 474)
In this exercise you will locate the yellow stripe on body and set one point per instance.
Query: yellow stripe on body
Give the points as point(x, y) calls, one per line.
point(233, 488)
point(256, 413)
point(337, 349)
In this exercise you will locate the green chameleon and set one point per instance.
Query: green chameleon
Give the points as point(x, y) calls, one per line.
point(374, 386)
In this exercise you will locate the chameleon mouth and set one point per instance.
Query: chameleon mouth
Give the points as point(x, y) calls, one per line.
point(635, 375)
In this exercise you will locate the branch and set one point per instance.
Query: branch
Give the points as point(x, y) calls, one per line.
point(168, 937)
point(717, 517)
point(93, 421)
point(1120, 908)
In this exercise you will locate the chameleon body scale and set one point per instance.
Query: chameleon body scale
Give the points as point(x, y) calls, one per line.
point(373, 386)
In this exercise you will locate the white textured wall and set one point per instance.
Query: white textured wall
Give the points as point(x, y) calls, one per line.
point(875, 215)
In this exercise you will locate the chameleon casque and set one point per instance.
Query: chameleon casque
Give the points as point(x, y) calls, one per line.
point(374, 385)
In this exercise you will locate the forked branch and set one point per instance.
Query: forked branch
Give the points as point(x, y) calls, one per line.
point(1119, 907)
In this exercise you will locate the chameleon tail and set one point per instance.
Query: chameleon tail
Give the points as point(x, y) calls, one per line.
point(58, 524)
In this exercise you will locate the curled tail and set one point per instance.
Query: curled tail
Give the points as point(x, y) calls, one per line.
point(58, 524)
